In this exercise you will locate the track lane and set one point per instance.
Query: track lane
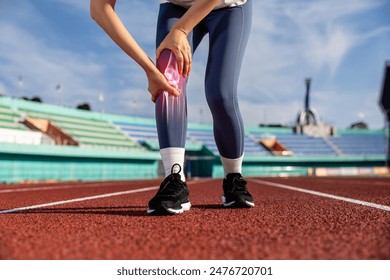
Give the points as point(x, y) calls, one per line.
point(323, 194)
point(372, 190)
point(42, 194)
point(40, 197)
point(283, 225)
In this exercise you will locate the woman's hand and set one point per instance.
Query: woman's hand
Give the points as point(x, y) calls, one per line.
point(157, 83)
point(177, 42)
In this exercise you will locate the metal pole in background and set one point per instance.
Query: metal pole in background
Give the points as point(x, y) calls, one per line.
point(307, 98)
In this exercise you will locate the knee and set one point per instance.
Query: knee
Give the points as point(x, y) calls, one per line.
point(221, 100)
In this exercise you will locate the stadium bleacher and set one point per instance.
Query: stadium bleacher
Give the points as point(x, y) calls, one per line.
point(9, 118)
point(301, 144)
point(102, 133)
point(360, 144)
point(251, 146)
point(89, 133)
point(104, 136)
point(145, 133)
point(138, 132)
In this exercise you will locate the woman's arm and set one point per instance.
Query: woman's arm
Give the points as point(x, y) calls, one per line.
point(177, 40)
point(102, 11)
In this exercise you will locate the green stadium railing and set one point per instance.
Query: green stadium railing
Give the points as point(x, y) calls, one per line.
point(68, 163)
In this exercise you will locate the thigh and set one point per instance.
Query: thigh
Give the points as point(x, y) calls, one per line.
point(229, 33)
point(169, 14)
point(167, 17)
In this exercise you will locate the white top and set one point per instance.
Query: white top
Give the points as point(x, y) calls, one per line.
point(222, 4)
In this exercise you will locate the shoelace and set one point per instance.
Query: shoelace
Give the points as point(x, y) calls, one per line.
point(174, 181)
point(239, 184)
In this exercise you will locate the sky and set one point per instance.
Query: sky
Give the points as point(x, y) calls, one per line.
point(341, 45)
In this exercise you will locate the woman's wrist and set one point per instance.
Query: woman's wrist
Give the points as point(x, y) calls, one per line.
point(149, 67)
point(180, 29)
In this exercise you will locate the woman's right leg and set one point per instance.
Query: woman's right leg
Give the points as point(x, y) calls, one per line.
point(171, 111)
point(171, 120)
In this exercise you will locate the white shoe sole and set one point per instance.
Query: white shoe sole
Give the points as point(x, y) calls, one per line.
point(248, 203)
point(184, 207)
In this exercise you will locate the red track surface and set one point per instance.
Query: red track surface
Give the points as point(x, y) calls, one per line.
point(285, 224)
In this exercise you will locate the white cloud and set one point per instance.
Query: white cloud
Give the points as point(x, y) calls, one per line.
point(290, 40)
point(313, 32)
point(329, 51)
point(43, 67)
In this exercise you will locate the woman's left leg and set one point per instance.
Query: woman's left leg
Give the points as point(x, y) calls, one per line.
point(229, 32)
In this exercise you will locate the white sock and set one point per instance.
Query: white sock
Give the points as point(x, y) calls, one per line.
point(232, 165)
point(170, 156)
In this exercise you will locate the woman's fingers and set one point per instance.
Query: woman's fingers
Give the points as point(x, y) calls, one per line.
point(155, 89)
point(171, 91)
point(187, 65)
point(177, 42)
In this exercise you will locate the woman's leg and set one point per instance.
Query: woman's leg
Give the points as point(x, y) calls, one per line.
point(171, 111)
point(229, 32)
point(171, 119)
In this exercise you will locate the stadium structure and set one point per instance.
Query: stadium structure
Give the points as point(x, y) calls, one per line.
point(43, 142)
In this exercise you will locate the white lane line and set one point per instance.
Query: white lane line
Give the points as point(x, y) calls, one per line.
point(91, 197)
point(79, 186)
point(63, 187)
point(78, 200)
point(365, 182)
point(355, 201)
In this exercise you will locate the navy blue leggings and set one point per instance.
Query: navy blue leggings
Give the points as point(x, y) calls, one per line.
point(228, 30)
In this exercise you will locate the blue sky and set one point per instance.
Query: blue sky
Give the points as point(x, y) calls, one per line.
point(341, 45)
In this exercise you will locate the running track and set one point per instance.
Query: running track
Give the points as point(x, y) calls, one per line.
point(294, 218)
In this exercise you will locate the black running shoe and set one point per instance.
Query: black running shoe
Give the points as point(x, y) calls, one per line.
point(235, 193)
point(172, 197)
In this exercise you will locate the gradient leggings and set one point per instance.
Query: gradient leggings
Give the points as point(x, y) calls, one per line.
point(228, 30)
